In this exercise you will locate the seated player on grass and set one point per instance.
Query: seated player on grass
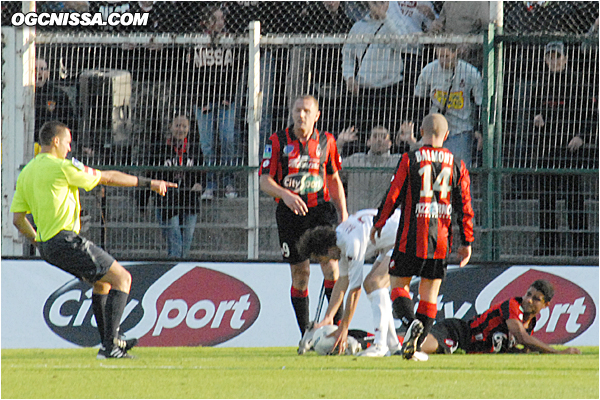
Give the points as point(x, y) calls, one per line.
point(351, 245)
point(498, 330)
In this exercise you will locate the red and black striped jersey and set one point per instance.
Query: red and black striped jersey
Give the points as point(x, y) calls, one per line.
point(489, 331)
point(429, 186)
point(302, 168)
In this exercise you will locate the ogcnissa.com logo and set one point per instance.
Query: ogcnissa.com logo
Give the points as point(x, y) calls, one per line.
point(79, 19)
point(169, 305)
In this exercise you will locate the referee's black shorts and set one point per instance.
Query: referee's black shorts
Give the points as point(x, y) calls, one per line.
point(292, 226)
point(452, 334)
point(77, 256)
point(405, 265)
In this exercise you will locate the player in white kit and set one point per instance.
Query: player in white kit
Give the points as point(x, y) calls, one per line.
point(350, 244)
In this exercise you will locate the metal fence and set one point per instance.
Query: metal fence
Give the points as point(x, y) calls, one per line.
point(130, 96)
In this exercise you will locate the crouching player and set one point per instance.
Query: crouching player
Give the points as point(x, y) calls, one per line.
point(499, 329)
point(350, 244)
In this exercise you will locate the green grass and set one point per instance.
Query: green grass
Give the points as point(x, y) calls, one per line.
point(280, 373)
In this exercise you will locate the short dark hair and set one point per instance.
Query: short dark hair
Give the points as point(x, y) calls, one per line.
point(545, 287)
point(49, 130)
point(317, 241)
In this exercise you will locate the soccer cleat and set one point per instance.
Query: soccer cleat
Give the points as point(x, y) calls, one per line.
point(410, 340)
point(420, 356)
point(375, 351)
point(115, 352)
point(305, 343)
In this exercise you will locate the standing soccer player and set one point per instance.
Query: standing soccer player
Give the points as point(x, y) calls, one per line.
point(48, 188)
point(300, 170)
point(429, 185)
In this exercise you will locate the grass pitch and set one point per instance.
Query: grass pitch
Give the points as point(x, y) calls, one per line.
point(280, 373)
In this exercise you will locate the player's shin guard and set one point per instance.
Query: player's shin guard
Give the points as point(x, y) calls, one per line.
point(99, 305)
point(426, 312)
point(116, 301)
point(300, 304)
point(403, 306)
point(328, 291)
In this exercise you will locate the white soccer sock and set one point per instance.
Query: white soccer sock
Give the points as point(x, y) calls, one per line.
point(380, 320)
point(392, 337)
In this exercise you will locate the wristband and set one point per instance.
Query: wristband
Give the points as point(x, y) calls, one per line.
point(144, 182)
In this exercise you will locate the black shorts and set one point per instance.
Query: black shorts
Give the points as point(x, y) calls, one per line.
point(403, 265)
point(291, 226)
point(77, 256)
point(452, 334)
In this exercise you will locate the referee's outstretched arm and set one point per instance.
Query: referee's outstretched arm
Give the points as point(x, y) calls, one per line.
point(117, 178)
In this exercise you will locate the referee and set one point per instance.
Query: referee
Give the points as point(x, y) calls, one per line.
point(48, 188)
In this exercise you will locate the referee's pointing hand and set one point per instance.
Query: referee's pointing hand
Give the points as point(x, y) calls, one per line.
point(160, 187)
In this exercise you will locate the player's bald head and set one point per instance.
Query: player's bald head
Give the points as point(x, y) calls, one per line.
point(434, 125)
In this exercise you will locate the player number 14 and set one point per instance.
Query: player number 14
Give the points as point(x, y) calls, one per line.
point(441, 184)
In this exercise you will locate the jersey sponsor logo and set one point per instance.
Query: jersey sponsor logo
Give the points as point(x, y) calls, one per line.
point(162, 310)
point(268, 153)
point(434, 156)
point(433, 210)
point(304, 163)
point(303, 183)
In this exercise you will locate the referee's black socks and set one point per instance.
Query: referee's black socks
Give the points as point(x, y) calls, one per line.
point(115, 305)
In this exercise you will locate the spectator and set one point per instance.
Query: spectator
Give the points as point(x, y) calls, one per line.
point(51, 102)
point(563, 132)
point(412, 18)
point(454, 89)
point(300, 169)
point(430, 185)
point(374, 72)
point(176, 212)
point(367, 187)
point(499, 329)
point(464, 18)
point(218, 69)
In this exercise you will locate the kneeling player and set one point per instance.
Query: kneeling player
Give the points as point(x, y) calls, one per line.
point(350, 244)
point(499, 329)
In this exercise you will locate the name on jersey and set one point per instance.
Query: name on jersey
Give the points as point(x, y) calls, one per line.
point(303, 183)
point(304, 162)
point(433, 210)
point(434, 156)
point(204, 57)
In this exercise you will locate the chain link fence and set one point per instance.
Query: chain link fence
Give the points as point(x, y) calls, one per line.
point(170, 100)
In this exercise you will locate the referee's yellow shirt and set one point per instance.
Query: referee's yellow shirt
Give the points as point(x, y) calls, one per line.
point(48, 188)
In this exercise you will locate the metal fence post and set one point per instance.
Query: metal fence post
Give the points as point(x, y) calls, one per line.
point(254, 107)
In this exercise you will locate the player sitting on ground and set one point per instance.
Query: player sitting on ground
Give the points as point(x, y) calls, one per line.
point(498, 330)
point(350, 244)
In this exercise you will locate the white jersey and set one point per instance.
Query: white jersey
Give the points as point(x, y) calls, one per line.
point(353, 238)
point(465, 86)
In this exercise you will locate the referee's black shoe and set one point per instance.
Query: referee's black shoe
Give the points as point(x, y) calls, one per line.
point(115, 352)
